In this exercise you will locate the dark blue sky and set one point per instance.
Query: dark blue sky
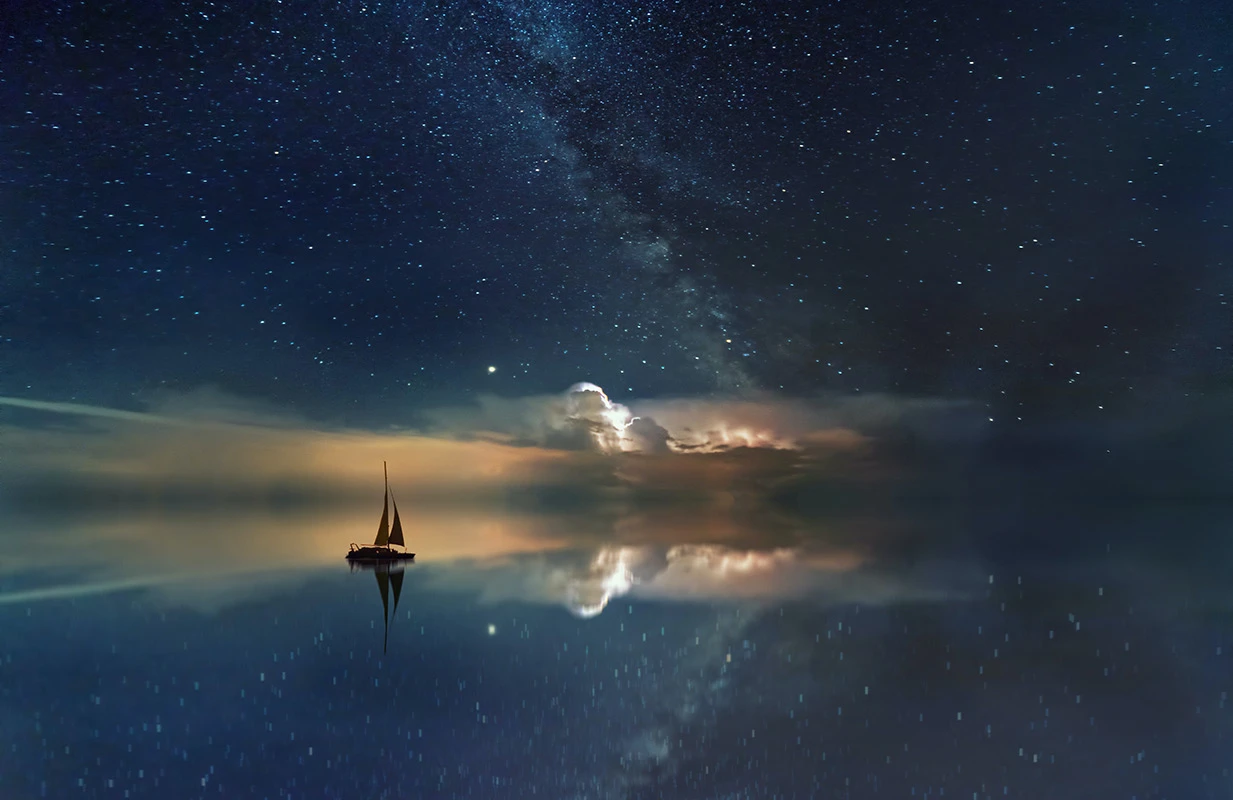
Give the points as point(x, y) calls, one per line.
point(355, 209)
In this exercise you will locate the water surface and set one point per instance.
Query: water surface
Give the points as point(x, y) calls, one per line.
point(237, 655)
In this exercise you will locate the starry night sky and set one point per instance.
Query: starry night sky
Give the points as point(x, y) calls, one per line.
point(913, 324)
point(354, 209)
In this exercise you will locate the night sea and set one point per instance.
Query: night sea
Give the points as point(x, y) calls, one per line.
point(779, 400)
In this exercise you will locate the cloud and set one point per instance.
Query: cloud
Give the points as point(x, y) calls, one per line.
point(583, 449)
point(586, 418)
point(579, 447)
point(201, 406)
point(767, 421)
point(82, 410)
point(534, 421)
point(210, 446)
point(582, 418)
point(648, 436)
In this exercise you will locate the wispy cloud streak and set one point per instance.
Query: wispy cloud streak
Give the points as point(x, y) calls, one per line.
point(83, 410)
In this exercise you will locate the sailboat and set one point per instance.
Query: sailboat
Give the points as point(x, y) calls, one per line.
point(387, 536)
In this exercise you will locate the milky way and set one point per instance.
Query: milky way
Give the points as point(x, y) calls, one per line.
point(356, 208)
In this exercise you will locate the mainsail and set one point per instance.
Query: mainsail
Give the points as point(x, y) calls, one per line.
point(383, 530)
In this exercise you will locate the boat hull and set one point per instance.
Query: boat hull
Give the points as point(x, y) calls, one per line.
point(378, 554)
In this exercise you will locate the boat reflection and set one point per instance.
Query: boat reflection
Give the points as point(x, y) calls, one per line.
point(389, 577)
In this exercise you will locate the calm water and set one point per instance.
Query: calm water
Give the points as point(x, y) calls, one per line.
point(237, 655)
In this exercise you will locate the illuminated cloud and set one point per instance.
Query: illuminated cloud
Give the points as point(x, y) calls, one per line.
point(579, 446)
point(587, 406)
point(586, 418)
point(711, 425)
point(581, 418)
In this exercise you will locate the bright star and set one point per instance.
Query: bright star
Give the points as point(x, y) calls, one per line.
point(491, 370)
point(492, 630)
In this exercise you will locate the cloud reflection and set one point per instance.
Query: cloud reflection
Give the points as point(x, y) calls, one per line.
point(587, 583)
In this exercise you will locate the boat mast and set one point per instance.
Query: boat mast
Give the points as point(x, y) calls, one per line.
point(395, 531)
point(383, 530)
